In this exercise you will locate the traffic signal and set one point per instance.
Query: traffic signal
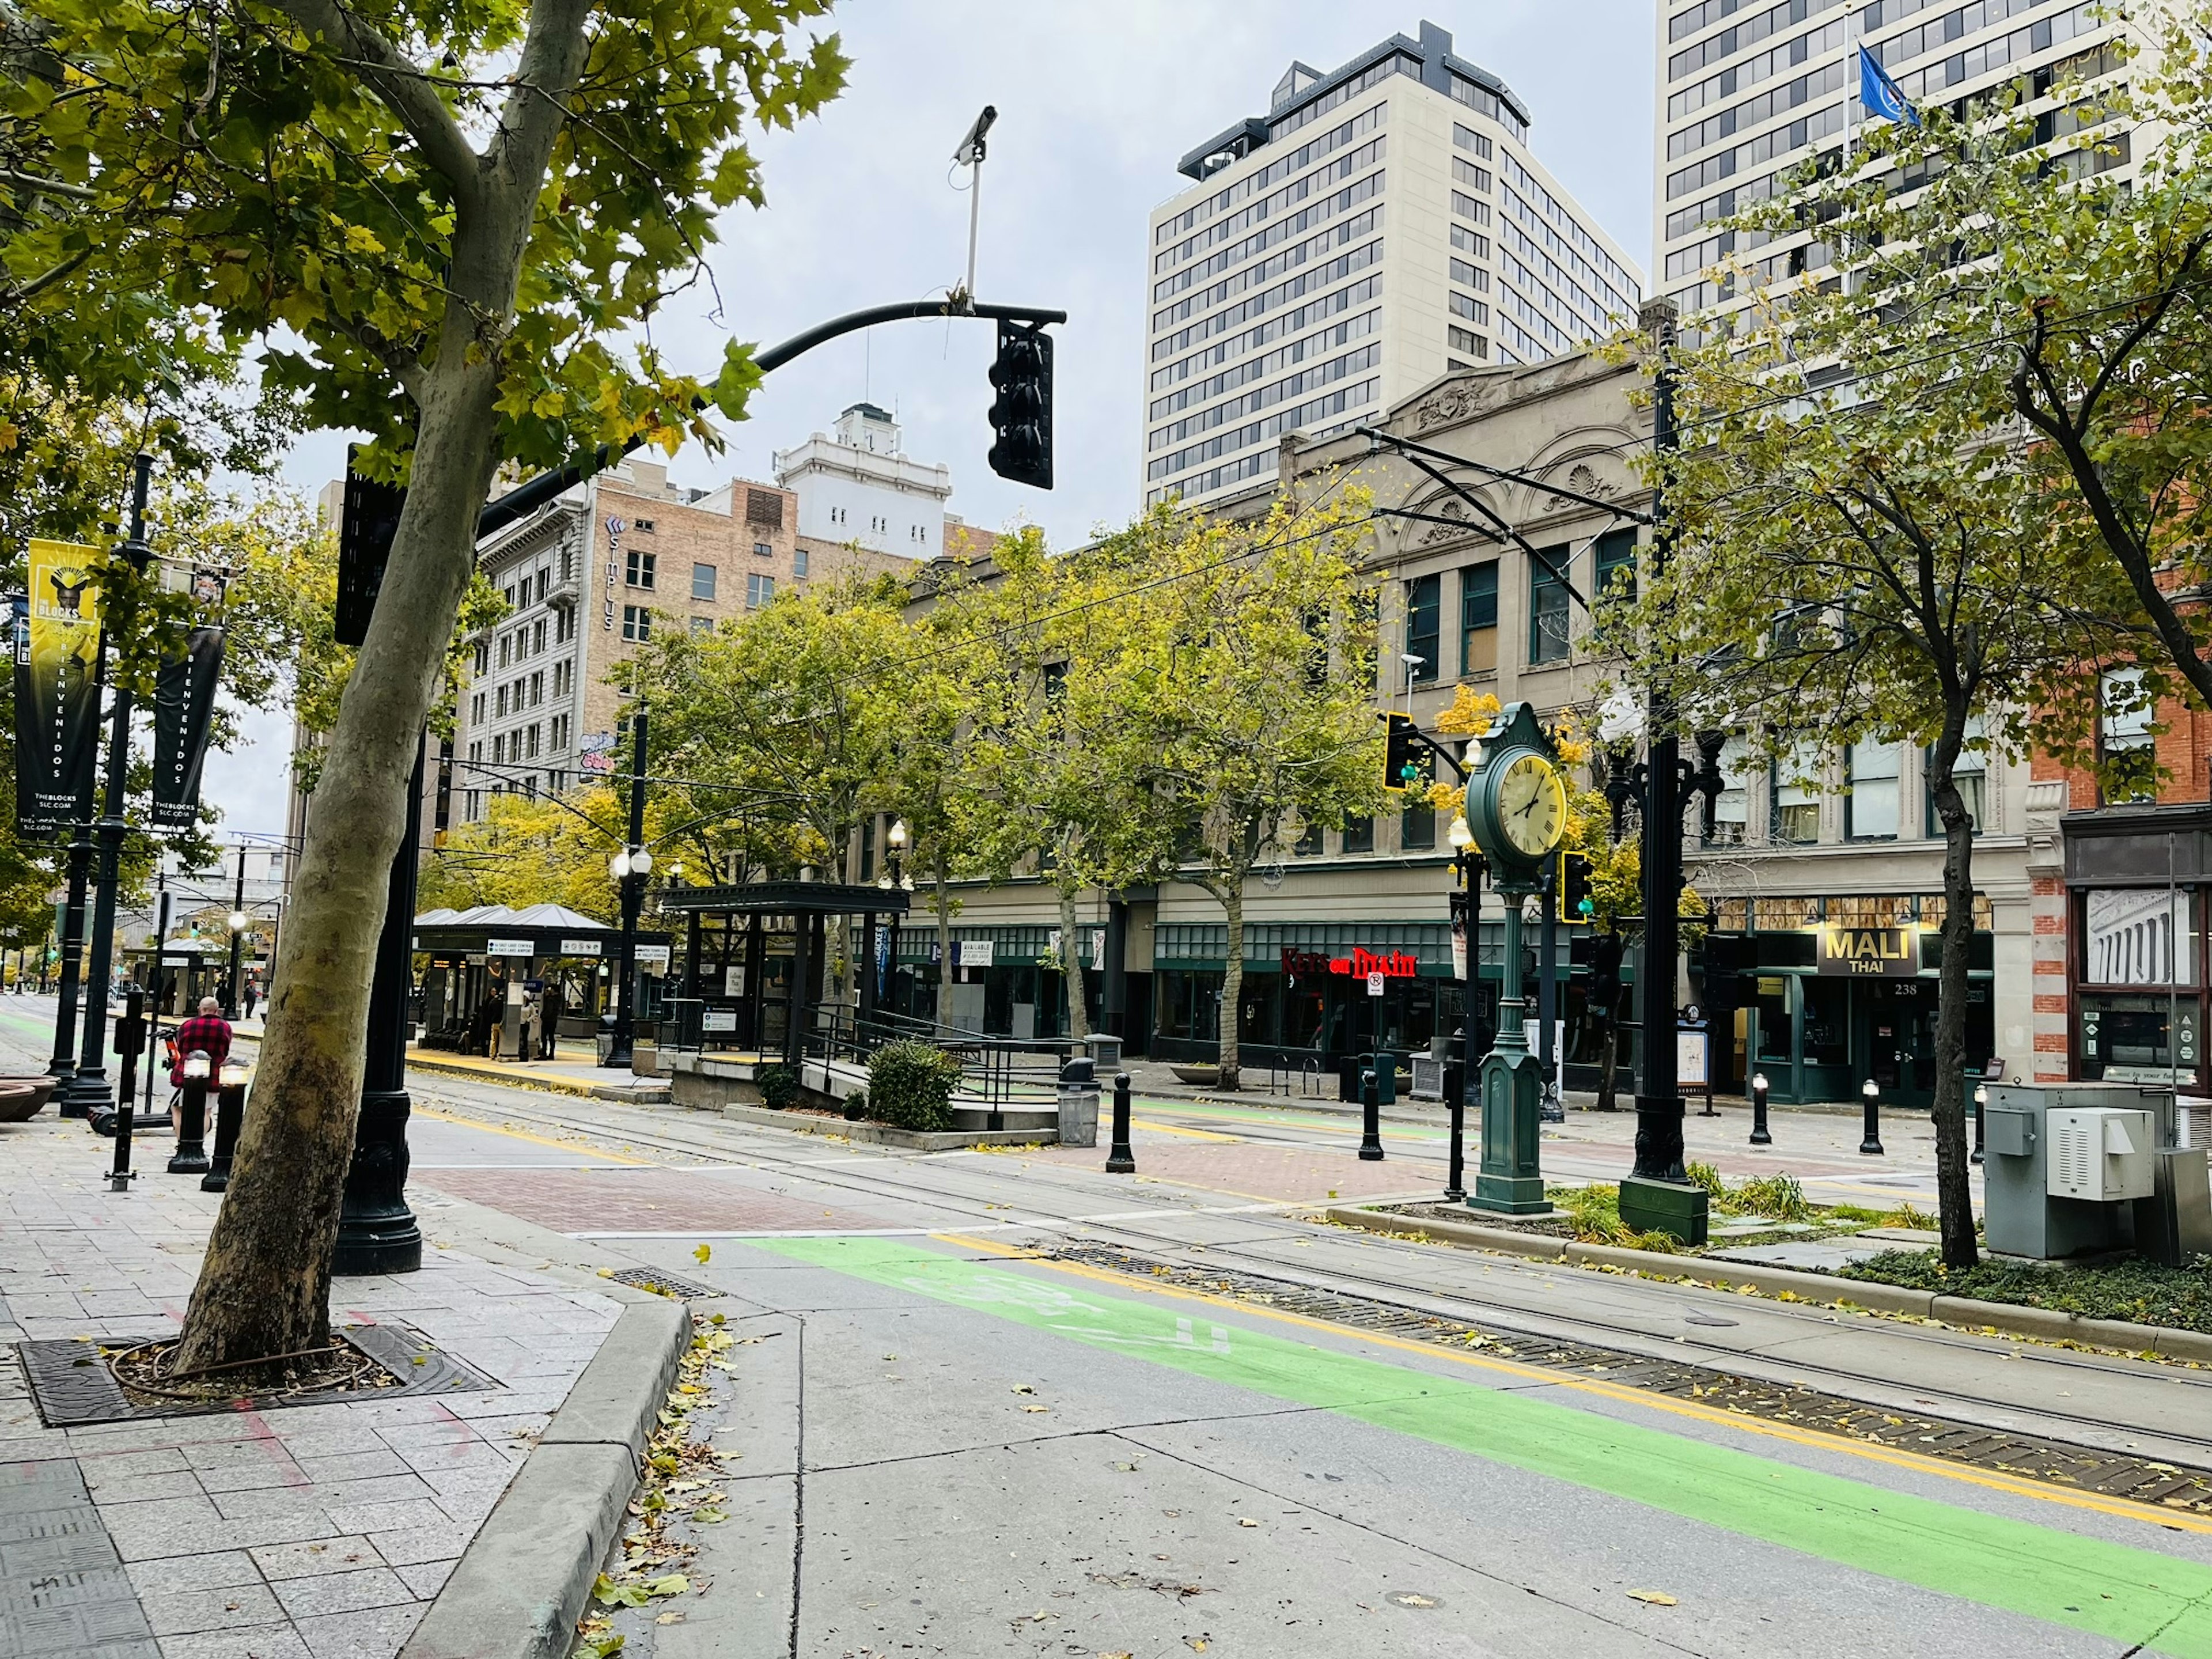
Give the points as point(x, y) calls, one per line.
point(1404, 758)
point(366, 522)
point(1021, 414)
point(1575, 903)
point(1604, 987)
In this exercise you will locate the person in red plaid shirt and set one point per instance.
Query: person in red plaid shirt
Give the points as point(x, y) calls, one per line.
point(206, 1032)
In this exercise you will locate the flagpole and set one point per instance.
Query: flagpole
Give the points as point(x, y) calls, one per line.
point(1851, 73)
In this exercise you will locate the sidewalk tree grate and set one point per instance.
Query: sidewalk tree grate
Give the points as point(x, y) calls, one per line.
point(72, 1384)
point(2029, 1457)
point(668, 1285)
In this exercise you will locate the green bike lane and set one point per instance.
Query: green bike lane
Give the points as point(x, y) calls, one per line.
point(1435, 1502)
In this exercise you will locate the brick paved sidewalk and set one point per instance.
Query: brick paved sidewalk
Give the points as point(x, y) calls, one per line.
point(308, 1533)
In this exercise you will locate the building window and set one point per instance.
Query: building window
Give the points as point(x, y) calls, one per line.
point(556, 783)
point(637, 622)
point(1307, 844)
point(1796, 788)
point(1477, 619)
point(1547, 607)
point(1417, 828)
point(1464, 304)
point(533, 743)
point(476, 709)
point(498, 749)
point(702, 581)
point(759, 588)
point(638, 569)
point(1424, 622)
point(544, 581)
point(506, 649)
point(1466, 340)
point(765, 506)
point(1870, 810)
point(476, 754)
point(702, 624)
point(1969, 775)
point(763, 551)
point(799, 562)
point(483, 656)
point(1359, 835)
point(507, 593)
point(1616, 562)
point(2125, 737)
point(1732, 807)
point(560, 627)
point(502, 700)
point(642, 526)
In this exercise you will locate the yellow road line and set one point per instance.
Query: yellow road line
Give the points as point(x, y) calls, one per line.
point(2147, 1514)
point(1176, 1129)
point(577, 1146)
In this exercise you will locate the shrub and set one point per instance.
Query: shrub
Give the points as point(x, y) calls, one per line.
point(856, 1105)
point(779, 1086)
point(1776, 1197)
point(1704, 1175)
point(910, 1086)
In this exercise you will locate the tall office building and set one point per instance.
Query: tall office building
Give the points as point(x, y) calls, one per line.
point(1281, 300)
point(1748, 91)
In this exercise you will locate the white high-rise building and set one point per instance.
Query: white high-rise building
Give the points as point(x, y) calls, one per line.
point(1747, 90)
point(1384, 222)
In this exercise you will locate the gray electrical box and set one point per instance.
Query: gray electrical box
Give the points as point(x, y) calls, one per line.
point(2022, 1215)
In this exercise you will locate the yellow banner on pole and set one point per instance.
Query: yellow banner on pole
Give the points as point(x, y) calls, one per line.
point(57, 685)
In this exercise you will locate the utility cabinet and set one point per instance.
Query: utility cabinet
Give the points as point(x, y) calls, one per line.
point(2051, 1187)
point(2101, 1153)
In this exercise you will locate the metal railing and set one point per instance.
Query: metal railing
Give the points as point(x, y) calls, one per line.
point(998, 1071)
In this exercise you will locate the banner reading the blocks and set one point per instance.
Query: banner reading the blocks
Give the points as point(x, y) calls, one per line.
point(57, 686)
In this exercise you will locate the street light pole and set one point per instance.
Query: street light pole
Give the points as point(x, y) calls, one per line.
point(895, 840)
point(88, 1089)
point(631, 867)
point(238, 921)
point(1469, 865)
point(64, 1063)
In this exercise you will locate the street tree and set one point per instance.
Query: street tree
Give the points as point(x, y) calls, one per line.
point(443, 227)
point(1854, 562)
point(1060, 756)
point(1252, 646)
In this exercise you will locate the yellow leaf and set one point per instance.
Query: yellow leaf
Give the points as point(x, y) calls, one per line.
point(1656, 1598)
point(703, 1255)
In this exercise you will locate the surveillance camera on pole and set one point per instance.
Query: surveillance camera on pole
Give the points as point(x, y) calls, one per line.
point(970, 156)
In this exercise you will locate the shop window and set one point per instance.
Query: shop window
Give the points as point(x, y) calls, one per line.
point(1795, 779)
point(1870, 810)
point(1616, 563)
point(1732, 808)
point(1969, 773)
point(1424, 624)
point(1477, 618)
point(1359, 835)
point(1417, 829)
point(1547, 606)
point(2132, 1039)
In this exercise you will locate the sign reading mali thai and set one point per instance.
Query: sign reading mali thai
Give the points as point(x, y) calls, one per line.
point(1870, 952)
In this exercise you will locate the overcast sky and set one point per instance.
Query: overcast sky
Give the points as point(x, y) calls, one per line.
point(1096, 103)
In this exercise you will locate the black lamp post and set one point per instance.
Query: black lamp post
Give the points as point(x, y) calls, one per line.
point(1468, 867)
point(629, 868)
point(895, 842)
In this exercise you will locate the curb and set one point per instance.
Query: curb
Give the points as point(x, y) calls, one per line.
point(632, 1093)
point(882, 1134)
point(2014, 1319)
point(521, 1585)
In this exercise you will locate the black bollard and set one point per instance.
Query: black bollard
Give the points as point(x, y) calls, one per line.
point(1870, 1091)
point(1370, 1112)
point(1455, 1174)
point(1981, 1105)
point(229, 1113)
point(130, 1037)
point(1121, 1158)
point(190, 1155)
point(1759, 1137)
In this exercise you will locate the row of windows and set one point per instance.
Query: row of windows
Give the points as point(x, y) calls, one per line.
point(1270, 268)
point(1814, 83)
point(1781, 141)
point(1290, 420)
point(1292, 322)
point(1280, 231)
point(1274, 172)
point(1605, 271)
point(520, 644)
point(1336, 97)
point(1586, 308)
point(1297, 351)
point(1741, 77)
point(1466, 340)
point(1522, 226)
point(1550, 636)
point(1308, 282)
point(1260, 211)
point(1480, 98)
point(1551, 338)
point(1866, 789)
point(1266, 396)
point(1729, 41)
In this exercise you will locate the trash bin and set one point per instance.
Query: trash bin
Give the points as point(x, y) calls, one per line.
point(1078, 1104)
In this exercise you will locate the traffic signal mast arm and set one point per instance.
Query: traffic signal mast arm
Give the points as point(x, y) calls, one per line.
point(527, 497)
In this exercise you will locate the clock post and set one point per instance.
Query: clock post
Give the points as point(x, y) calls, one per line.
point(1516, 807)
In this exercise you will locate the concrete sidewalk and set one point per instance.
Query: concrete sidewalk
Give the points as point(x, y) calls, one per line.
point(317, 1532)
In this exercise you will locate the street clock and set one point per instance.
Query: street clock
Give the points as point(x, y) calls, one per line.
point(1516, 802)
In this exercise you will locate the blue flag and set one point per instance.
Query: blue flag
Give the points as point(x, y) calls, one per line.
point(1879, 94)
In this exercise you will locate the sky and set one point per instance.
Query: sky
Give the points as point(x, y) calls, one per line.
point(1095, 104)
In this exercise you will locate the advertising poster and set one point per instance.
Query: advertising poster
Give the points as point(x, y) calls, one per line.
point(57, 686)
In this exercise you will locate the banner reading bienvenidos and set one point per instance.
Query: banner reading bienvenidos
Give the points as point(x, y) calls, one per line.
point(57, 686)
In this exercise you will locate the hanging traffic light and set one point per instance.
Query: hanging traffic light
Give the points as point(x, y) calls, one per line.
point(1575, 901)
point(1405, 757)
point(366, 522)
point(1021, 414)
point(1604, 987)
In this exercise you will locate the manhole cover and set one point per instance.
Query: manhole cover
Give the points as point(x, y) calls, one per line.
point(661, 1284)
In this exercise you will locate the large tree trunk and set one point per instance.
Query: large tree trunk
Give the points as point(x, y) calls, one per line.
point(1953, 1192)
point(1070, 966)
point(1231, 895)
point(264, 1286)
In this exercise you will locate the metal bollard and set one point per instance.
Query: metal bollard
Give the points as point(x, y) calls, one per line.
point(1371, 1105)
point(190, 1155)
point(1981, 1106)
point(1871, 1092)
point(1455, 1172)
point(229, 1114)
point(130, 1034)
point(1121, 1158)
point(1759, 1137)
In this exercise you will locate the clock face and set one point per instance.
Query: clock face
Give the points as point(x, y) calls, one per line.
point(1532, 807)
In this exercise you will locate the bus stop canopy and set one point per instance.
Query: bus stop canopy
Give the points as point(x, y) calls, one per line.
point(540, 931)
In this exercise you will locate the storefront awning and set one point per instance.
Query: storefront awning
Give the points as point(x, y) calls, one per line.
point(785, 898)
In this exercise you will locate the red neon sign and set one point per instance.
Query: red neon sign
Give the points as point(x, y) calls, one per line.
point(1398, 964)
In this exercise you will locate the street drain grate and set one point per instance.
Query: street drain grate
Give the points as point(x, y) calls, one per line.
point(661, 1284)
point(2111, 1474)
point(72, 1384)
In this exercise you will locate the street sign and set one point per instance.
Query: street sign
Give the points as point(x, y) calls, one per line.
point(1690, 1049)
point(652, 955)
point(509, 947)
point(1375, 983)
point(718, 1019)
point(579, 947)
